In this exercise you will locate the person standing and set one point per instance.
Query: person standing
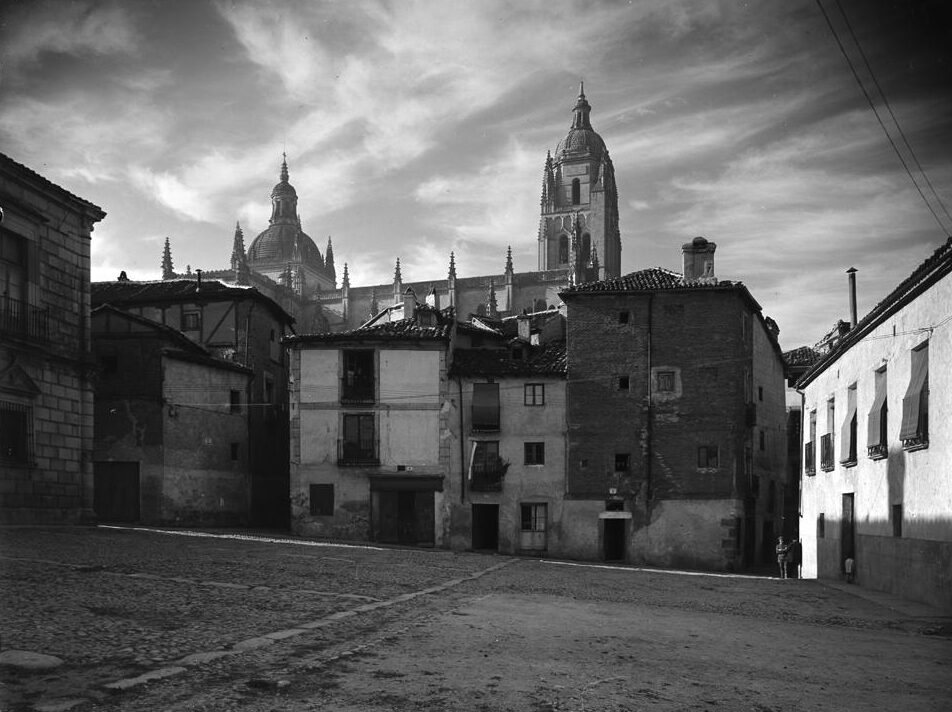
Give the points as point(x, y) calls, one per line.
point(782, 550)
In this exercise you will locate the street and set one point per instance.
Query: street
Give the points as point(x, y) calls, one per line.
point(147, 619)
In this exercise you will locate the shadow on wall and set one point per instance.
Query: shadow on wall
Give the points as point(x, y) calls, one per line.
point(914, 562)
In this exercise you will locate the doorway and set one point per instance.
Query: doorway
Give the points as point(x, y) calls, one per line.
point(847, 532)
point(485, 527)
point(614, 539)
point(116, 491)
point(406, 517)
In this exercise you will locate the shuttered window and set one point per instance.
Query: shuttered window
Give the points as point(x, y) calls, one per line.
point(915, 404)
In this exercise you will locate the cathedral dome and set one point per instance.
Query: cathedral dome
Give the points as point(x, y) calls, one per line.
point(285, 242)
point(581, 138)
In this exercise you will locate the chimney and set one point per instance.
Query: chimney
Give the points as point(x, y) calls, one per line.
point(198, 283)
point(522, 327)
point(433, 299)
point(409, 303)
point(699, 261)
point(852, 277)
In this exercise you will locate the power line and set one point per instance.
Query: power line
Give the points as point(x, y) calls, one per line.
point(882, 94)
point(872, 105)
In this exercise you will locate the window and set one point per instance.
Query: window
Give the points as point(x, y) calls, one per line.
point(359, 444)
point(848, 434)
point(485, 409)
point(235, 401)
point(707, 456)
point(486, 469)
point(623, 383)
point(16, 433)
point(191, 320)
point(914, 432)
point(534, 394)
point(763, 441)
point(586, 249)
point(576, 191)
point(623, 317)
point(748, 386)
point(877, 444)
point(820, 525)
point(534, 453)
point(826, 441)
point(809, 450)
point(666, 381)
point(357, 382)
point(533, 517)
point(234, 451)
point(583, 463)
point(760, 393)
point(895, 515)
point(16, 315)
point(268, 389)
point(563, 249)
point(622, 462)
point(321, 500)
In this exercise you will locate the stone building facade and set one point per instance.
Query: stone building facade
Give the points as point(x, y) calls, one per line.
point(46, 396)
point(877, 443)
point(676, 438)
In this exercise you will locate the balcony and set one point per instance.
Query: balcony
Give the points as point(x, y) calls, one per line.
point(809, 459)
point(877, 452)
point(487, 480)
point(484, 418)
point(21, 319)
point(357, 391)
point(354, 453)
point(827, 460)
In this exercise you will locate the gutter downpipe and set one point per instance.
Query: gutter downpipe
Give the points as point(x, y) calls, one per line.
point(462, 449)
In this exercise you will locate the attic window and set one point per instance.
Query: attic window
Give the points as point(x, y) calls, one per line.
point(623, 317)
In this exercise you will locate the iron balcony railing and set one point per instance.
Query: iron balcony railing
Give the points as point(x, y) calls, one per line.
point(827, 460)
point(357, 392)
point(17, 317)
point(352, 453)
point(487, 480)
point(809, 458)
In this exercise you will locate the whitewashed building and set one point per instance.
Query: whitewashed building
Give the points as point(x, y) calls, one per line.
point(877, 444)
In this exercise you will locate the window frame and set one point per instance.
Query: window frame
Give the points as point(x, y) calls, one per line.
point(19, 450)
point(318, 506)
point(705, 461)
point(533, 453)
point(537, 392)
point(665, 378)
point(622, 462)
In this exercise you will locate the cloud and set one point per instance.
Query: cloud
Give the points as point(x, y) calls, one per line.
point(74, 28)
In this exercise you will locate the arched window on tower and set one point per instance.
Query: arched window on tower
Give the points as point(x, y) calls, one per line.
point(563, 249)
point(586, 248)
point(576, 192)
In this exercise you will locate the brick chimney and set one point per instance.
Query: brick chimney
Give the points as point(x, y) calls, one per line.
point(699, 261)
point(409, 303)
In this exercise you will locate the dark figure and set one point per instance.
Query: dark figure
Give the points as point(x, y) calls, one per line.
point(794, 551)
point(782, 551)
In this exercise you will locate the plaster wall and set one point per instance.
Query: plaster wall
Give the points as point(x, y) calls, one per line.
point(917, 480)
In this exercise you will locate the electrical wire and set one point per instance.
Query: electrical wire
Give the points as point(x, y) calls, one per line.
point(872, 106)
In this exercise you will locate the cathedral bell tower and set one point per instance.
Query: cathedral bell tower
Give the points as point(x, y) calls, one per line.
point(578, 229)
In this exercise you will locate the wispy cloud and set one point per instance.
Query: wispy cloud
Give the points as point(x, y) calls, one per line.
point(68, 28)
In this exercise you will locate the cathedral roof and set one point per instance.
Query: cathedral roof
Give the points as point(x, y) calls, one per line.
point(581, 138)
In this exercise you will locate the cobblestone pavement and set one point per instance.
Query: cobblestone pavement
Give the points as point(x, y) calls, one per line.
point(147, 619)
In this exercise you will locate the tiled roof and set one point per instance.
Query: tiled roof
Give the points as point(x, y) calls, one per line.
point(128, 292)
point(937, 266)
point(646, 280)
point(407, 329)
point(803, 356)
point(547, 360)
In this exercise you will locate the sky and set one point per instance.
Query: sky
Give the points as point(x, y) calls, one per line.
point(416, 128)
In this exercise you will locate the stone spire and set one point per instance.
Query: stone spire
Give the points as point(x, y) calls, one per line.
point(284, 199)
point(329, 260)
point(582, 110)
point(452, 273)
point(397, 283)
point(167, 271)
point(548, 181)
point(509, 269)
point(451, 282)
point(284, 167)
point(345, 282)
point(238, 248)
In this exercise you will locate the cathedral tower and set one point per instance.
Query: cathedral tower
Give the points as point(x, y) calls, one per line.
point(580, 204)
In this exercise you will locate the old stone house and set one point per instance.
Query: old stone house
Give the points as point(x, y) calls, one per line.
point(675, 414)
point(238, 324)
point(46, 396)
point(172, 439)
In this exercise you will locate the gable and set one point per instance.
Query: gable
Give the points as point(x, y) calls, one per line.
point(14, 379)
